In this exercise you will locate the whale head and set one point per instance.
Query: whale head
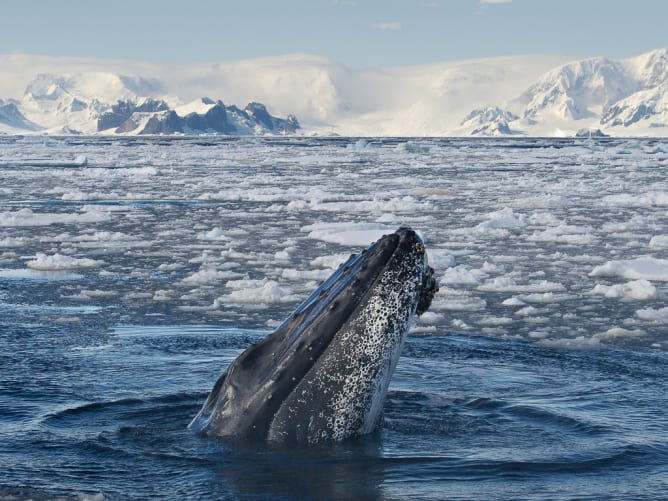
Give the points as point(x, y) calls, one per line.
point(323, 374)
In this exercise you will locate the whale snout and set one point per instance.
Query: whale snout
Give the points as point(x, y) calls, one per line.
point(410, 242)
point(428, 289)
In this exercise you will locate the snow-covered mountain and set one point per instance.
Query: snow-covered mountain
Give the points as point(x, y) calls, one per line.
point(529, 95)
point(107, 103)
point(489, 121)
point(623, 97)
point(13, 120)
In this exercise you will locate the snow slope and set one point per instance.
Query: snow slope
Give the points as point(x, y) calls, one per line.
point(532, 95)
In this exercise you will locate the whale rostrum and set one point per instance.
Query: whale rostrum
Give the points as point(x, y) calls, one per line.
point(322, 375)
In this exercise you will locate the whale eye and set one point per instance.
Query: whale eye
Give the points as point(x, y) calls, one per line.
point(419, 248)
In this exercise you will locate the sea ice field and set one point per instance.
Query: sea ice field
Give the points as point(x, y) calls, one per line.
point(133, 270)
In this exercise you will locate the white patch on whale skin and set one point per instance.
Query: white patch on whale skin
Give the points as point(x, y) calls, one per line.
point(353, 376)
point(357, 408)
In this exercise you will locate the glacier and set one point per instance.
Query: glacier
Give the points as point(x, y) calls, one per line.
point(535, 95)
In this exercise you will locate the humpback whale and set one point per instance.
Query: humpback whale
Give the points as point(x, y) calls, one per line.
point(323, 374)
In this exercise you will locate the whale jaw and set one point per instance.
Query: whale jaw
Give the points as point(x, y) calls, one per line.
point(323, 374)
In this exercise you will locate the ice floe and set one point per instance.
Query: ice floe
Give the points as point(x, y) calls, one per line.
point(60, 262)
point(647, 268)
point(641, 290)
point(351, 234)
point(257, 292)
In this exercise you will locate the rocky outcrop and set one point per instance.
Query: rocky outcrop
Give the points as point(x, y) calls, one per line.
point(490, 121)
point(213, 117)
point(122, 111)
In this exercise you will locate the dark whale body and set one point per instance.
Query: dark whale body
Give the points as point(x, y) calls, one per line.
point(323, 374)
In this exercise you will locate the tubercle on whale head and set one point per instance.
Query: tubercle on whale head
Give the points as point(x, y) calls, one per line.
point(428, 286)
point(428, 289)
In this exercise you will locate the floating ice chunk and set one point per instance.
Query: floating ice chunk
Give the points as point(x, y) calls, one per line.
point(282, 255)
point(399, 204)
point(104, 239)
point(26, 217)
point(81, 160)
point(513, 301)
point(263, 291)
point(543, 219)
point(170, 267)
point(233, 254)
point(647, 268)
point(86, 295)
point(545, 297)
point(504, 218)
point(37, 275)
point(488, 267)
point(298, 205)
point(430, 317)
point(163, 295)
point(13, 241)
point(78, 195)
point(659, 242)
point(361, 144)
point(61, 262)
point(564, 234)
point(492, 321)
point(641, 290)
point(508, 284)
point(353, 234)
point(291, 274)
point(132, 297)
point(659, 316)
point(103, 236)
point(543, 201)
point(458, 303)
point(98, 293)
point(634, 200)
point(577, 343)
point(637, 222)
point(331, 262)
point(500, 284)
point(440, 259)
point(462, 275)
point(214, 234)
point(412, 147)
point(617, 332)
point(427, 323)
point(208, 275)
point(528, 311)
point(459, 324)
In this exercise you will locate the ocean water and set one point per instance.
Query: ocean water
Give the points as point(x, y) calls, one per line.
point(133, 270)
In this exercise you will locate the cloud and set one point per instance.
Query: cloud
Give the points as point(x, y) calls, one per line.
point(495, 1)
point(389, 25)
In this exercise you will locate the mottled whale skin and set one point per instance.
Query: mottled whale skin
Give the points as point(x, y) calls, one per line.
point(323, 374)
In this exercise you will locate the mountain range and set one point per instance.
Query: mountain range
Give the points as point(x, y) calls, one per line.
point(519, 95)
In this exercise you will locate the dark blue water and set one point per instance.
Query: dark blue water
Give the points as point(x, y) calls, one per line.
point(165, 258)
point(466, 418)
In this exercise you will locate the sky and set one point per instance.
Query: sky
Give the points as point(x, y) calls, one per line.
point(356, 33)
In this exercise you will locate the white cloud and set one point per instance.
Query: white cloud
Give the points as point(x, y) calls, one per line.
point(389, 25)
